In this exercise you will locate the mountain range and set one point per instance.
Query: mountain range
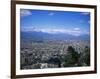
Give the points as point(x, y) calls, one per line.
point(40, 36)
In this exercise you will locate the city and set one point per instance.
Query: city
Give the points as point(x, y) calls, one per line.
point(54, 54)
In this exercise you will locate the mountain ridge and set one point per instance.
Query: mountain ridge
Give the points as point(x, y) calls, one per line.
point(47, 36)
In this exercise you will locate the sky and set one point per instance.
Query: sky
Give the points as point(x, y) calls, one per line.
point(74, 23)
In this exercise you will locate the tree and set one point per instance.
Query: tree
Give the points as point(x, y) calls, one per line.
point(71, 57)
point(84, 59)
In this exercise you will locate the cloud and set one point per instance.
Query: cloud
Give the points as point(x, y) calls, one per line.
point(76, 28)
point(85, 13)
point(74, 31)
point(51, 14)
point(26, 29)
point(24, 12)
point(83, 21)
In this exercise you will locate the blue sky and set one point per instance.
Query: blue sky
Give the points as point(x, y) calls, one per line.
point(74, 23)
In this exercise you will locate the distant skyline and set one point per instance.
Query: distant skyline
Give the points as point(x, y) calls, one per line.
point(74, 23)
